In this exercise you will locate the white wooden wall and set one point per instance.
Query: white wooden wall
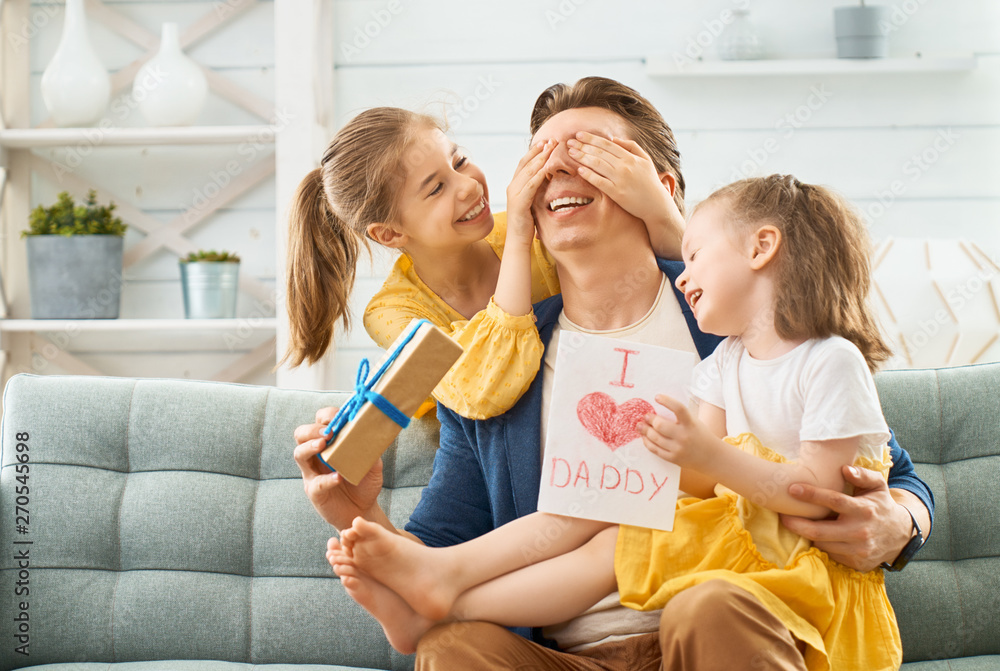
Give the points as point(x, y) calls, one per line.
point(164, 181)
point(484, 63)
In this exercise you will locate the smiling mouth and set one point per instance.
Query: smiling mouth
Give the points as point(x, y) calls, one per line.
point(569, 202)
point(474, 212)
point(694, 297)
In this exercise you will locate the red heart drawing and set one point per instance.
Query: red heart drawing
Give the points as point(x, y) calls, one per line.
point(612, 424)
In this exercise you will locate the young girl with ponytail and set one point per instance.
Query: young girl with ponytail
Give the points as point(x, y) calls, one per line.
point(393, 176)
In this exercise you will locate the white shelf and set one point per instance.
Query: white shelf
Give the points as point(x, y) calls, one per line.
point(666, 66)
point(52, 325)
point(28, 138)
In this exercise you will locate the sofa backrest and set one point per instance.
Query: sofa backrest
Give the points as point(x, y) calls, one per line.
point(948, 600)
point(166, 520)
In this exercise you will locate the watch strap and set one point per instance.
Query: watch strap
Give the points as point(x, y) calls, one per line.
point(906, 554)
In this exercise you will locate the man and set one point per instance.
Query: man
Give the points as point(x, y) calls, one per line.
point(487, 472)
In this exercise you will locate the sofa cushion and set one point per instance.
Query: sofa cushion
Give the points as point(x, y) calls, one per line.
point(168, 522)
point(947, 601)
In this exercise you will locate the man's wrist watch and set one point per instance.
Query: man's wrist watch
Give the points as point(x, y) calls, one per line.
point(910, 549)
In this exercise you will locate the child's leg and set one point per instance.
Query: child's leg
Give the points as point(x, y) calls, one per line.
point(546, 593)
point(430, 579)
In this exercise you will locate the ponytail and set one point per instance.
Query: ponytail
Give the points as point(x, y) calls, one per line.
point(357, 184)
point(322, 258)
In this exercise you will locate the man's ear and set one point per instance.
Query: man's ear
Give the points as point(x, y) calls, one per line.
point(670, 181)
point(385, 234)
point(765, 242)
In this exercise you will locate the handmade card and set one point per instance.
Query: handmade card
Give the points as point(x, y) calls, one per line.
point(595, 464)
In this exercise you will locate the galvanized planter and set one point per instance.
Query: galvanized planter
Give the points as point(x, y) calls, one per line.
point(210, 289)
point(75, 277)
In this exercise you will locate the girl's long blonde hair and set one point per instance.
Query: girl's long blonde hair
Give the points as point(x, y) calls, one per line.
point(357, 184)
point(823, 268)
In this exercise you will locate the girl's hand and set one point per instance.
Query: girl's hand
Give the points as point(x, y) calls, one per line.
point(335, 499)
point(521, 193)
point(686, 441)
point(624, 171)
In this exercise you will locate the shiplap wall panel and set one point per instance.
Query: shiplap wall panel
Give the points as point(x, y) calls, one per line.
point(245, 42)
point(497, 98)
point(186, 365)
point(123, 110)
point(163, 177)
point(163, 299)
point(457, 31)
point(251, 231)
point(247, 337)
point(481, 65)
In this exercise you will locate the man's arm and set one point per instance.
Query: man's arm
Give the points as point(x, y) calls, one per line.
point(874, 524)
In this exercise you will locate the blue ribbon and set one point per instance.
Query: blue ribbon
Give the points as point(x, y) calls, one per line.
point(363, 393)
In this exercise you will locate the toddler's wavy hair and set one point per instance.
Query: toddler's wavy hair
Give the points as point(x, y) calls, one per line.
point(823, 267)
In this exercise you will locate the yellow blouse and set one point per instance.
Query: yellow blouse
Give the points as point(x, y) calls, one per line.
point(502, 351)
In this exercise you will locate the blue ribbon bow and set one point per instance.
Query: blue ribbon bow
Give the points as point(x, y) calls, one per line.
point(363, 393)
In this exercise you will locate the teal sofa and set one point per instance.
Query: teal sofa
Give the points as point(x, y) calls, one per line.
point(161, 524)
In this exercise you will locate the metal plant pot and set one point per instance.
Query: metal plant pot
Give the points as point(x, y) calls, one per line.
point(75, 277)
point(210, 289)
point(859, 31)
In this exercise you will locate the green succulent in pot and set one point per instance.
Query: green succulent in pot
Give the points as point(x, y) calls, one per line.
point(210, 281)
point(74, 254)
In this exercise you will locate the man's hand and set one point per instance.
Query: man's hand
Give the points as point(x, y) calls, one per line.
point(335, 499)
point(625, 172)
point(870, 527)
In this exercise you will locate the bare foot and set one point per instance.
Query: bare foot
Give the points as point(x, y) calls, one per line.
point(402, 625)
point(423, 576)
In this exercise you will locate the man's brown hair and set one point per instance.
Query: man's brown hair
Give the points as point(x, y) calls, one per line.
point(649, 130)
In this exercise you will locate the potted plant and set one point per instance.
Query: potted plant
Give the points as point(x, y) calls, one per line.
point(209, 280)
point(75, 259)
point(860, 31)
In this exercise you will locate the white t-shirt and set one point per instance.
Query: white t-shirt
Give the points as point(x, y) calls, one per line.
point(821, 390)
point(608, 620)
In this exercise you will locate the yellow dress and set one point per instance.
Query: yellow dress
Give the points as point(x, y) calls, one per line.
point(502, 352)
point(843, 616)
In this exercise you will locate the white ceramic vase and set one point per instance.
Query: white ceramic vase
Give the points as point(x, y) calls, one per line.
point(170, 89)
point(76, 87)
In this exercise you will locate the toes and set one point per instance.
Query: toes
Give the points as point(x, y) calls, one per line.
point(364, 528)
